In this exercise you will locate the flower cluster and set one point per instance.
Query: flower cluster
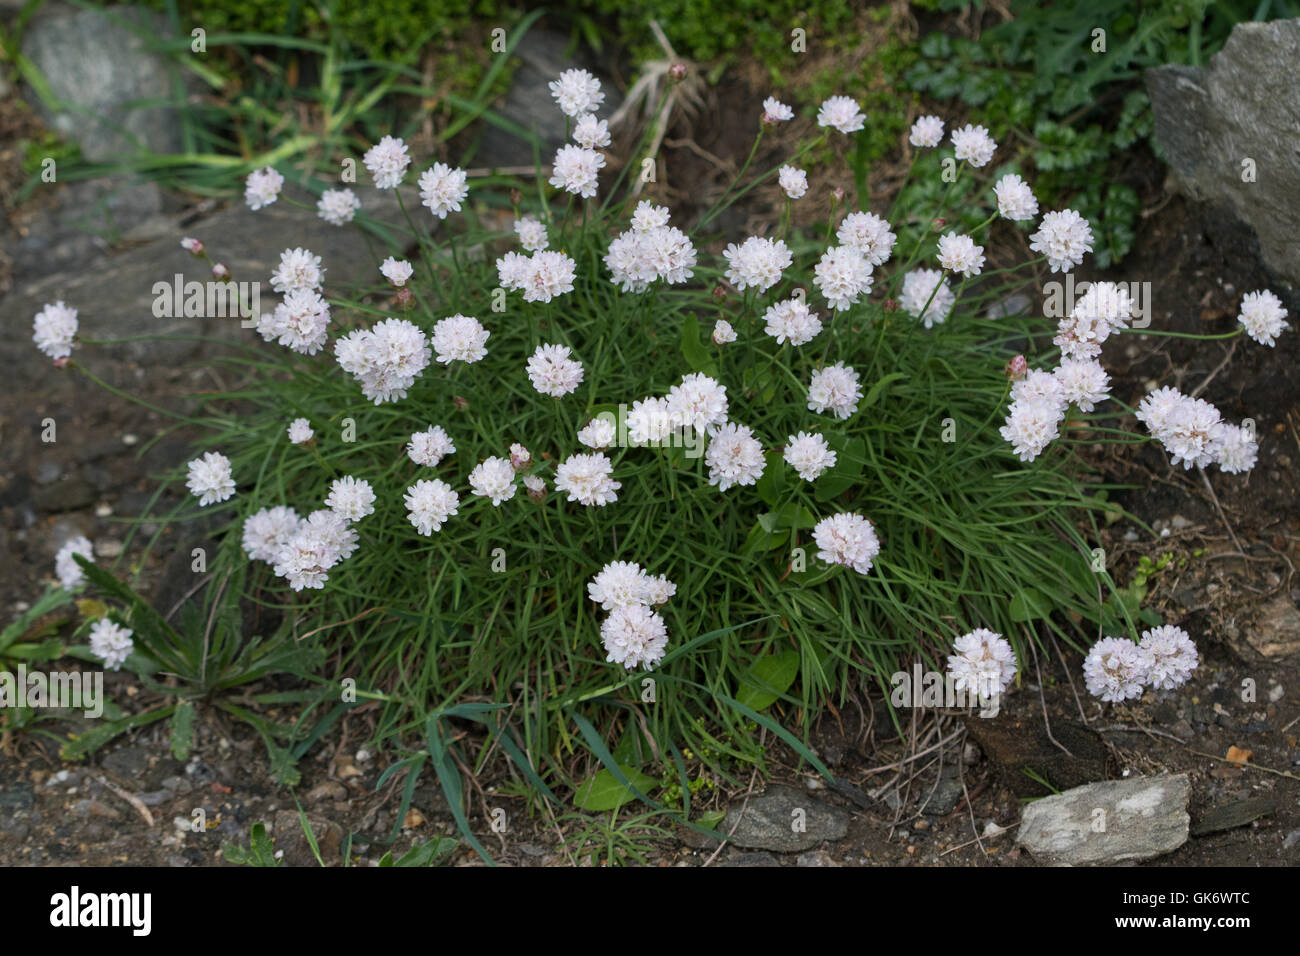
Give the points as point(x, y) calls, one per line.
point(540, 277)
point(848, 539)
point(386, 360)
point(650, 250)
point(1116, 669)
point(984, 663)
point(634, 634)
point(1194, 433)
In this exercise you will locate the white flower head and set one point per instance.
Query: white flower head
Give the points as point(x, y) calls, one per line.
point(926, 132)
point(494, 479)
point(648, 216)
point(1016, 200)
point(210, 479)
point(429, 503)
point(960, 254)
point(577, 92)
point(111, 642)
point(550, 274)
point(300, 431)
point(1263, 317)
point(351, 498)
point(268, 530)
point(984, 663)
point(869, 234)
point(793, 181)
point(70, 574)
point(774, 111)
point(618, 584)
point(590, 132)
point(1064, 237)
point(836, 389)
point(338, 207)
point(757, 262)
point(459, 338)
point(649, 422)
point(443, 189)
point(520, 457)
point(513, 270)
point(1114, 670)
point(396, 271)
point(54, 328)
point(553, 372)
point(430, 446)
point(1168, 657)
point(847, 539)
point(723, 333)
point(1032, 423)
point(321, 541)
point(262, 187)
point(634, 636)
point(598, 433)
point(298, 269)
point(698, 401)
point(809, 455)
point(973, 144)
point(1083, 382)
point(1236, 449)
point(532, 234)
point(791, 321)
point(734, 456)
point(843, 275)
point(385, 359)
point(387, 161)
point(587, 479)
point(300, 322)
point(575, 170)
point(841, 113)
point(927, 296)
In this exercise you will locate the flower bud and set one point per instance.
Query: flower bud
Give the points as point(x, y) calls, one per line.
point(890, 305)
point(677, 72)
point(404, 297)
point(520, 457)
point(839, 193)
point(193, 246)
point(1017, 368)
point(460, 403)
point(719, 293)
point(939, 224)
point(220, 272)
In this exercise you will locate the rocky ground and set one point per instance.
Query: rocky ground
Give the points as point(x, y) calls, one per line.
point(951, 792)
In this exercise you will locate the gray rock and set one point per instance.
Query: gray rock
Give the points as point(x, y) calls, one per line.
point(47, 472)
point(946, 794)
point(1244, 105)
point(248, 242)
point(97, 65)
point(815, 858)
point(750, 859)
point(289, 836)
point(66, 495)
point(543, 55)
point(80, 224)
point(784, 820)
point(1108, 822)
point(1230, 815)
point(1276, 633)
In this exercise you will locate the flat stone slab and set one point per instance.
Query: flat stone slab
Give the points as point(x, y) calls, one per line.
point(1108, 822)
point(784, 820)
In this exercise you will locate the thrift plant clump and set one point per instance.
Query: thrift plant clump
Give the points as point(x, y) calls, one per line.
point(727, 446)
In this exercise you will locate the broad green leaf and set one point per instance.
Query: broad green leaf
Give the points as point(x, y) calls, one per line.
point(603, 791)
point(1029, 605)
point(768, 679)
